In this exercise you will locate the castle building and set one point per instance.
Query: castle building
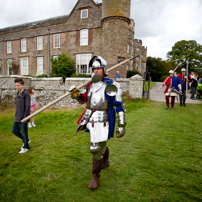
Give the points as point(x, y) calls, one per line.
point(104, 29)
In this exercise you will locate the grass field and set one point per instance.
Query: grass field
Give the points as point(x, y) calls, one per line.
point(151, 84)
point(159, 158)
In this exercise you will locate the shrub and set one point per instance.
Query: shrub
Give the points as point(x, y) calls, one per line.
point(28, 75)
point(131, 73)
point(62, 66)
point(80, 75)
point(42, 76)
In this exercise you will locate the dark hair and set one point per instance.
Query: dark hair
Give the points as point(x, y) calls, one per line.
point(19, 80)
point(30, 90)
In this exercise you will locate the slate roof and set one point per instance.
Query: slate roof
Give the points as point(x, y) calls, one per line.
point(36, 24)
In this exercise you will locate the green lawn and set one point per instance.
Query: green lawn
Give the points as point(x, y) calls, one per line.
point(151, 84)
point(159, 158)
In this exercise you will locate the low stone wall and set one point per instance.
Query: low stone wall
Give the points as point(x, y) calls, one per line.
point(49, 89)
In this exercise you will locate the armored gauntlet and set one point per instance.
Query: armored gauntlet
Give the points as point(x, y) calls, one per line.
point(121, 124)
point(74, 92)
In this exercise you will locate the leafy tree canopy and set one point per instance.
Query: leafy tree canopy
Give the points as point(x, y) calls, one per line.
point(159, 68)
point(62, 66)
point(187, 50)
point(132, 73)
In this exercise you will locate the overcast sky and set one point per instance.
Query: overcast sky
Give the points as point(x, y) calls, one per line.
point(158, 23)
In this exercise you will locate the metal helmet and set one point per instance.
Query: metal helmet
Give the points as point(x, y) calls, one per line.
point(98, 62)
point(183, 70)
point(171, 72)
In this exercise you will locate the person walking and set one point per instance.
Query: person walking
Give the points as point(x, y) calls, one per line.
point(33, 106)
point(184, 78)
point(193, 84)
point(101, 95)
point(173, 88)
point(22, 110)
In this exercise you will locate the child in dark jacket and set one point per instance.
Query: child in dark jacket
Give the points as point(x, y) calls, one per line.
point(22, 111)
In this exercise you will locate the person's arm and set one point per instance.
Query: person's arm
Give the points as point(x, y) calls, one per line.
point(120, 109)
point(190, 83)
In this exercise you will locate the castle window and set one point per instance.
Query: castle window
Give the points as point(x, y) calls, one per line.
point(84, 37)
point(137, 49)
point(55, 57)
point(9, 49)
point(84, 13)
point(23, 45)
point(82, 61)
point(128, 48)
point(56, 41)
point(39, 65)
point(9, 64)
point(121, 59)
point(24, 66)
point(0, 67)
point(40, 43)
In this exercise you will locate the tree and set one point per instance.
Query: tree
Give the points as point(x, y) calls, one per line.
point(62, 66)
point(159, 68)
point(187, 50)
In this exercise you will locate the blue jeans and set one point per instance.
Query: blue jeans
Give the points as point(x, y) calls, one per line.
point(20, 130)
point(193, 90)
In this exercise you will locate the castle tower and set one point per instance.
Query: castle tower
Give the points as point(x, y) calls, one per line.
point(115, 33)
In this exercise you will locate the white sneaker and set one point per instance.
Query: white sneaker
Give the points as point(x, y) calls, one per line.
point(33, 125)
point(23, 144)
point(29, 125)
point(23, 151)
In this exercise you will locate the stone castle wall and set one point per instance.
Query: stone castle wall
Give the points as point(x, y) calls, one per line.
point(110, 33)
point(49, 89)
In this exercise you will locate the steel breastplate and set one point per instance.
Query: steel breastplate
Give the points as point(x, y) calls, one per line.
point(96, 101)
point(96, 96)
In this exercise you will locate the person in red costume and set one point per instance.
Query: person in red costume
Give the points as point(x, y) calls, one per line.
point(173, 88)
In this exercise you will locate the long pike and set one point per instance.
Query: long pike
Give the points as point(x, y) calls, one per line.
point(67, 94)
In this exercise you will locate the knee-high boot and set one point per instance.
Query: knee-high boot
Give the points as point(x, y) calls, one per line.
point(97, 165)
point(105, 162)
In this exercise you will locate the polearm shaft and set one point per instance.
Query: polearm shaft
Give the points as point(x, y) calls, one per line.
point(167, 78)
point(187, 76)
point(67, 94)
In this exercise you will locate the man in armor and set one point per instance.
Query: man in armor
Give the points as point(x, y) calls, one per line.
point(101, 95)
point(173, 88)
point(183, 78)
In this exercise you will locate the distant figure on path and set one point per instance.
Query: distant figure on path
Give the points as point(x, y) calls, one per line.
point(192, 75)
point(193, 84)
point(173, 87)
point(22, 111)
point(33, 106)
point(118, 75)
point(183, 78)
